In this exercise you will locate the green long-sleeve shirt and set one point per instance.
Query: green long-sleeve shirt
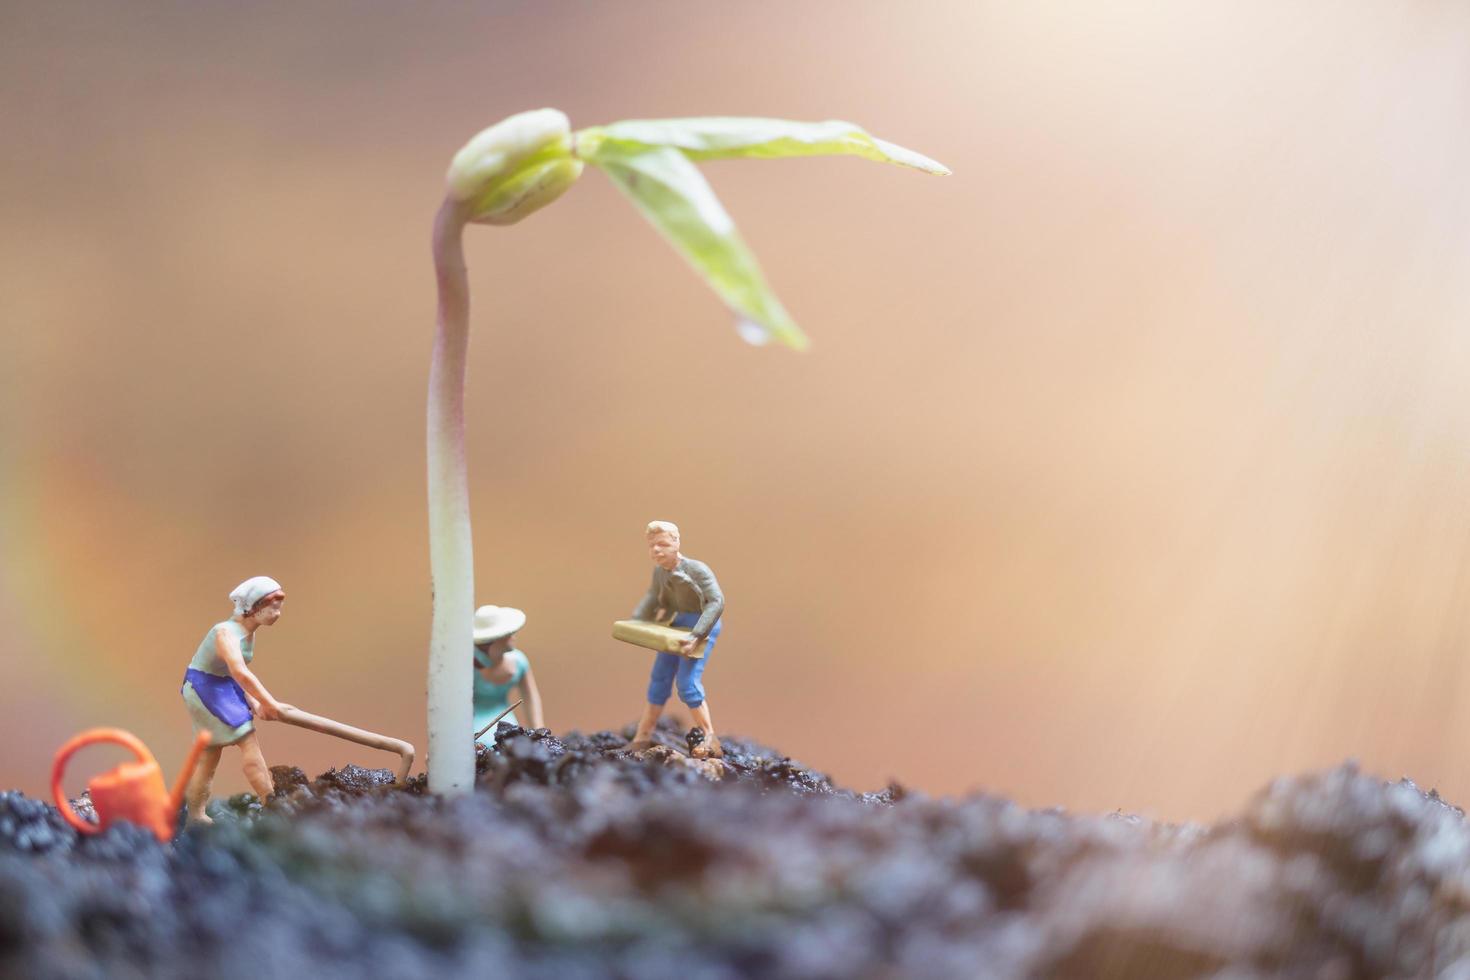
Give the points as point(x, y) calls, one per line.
point(689, 588)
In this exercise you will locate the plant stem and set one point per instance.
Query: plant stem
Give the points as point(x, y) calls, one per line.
point(451, 757)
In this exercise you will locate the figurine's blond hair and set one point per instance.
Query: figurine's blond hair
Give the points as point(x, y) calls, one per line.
point(661, 527)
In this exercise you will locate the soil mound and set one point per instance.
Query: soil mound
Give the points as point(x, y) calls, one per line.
point(575, 859)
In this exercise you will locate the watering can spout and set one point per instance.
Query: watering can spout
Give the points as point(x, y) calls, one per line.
point(176, 798)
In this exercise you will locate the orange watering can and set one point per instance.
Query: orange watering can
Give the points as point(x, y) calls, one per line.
point(133, 791)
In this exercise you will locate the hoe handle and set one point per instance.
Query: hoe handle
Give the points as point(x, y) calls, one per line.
point(496, 721)
point(316, 723)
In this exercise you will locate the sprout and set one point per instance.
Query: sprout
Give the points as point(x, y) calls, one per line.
point(515, 167)
point(511, 170)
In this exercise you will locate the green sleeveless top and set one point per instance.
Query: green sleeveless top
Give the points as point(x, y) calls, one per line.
point(206, 658)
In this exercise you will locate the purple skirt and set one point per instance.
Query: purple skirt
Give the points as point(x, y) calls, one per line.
point(220, 695)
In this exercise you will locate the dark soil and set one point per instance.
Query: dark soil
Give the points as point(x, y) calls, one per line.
point(575, 859)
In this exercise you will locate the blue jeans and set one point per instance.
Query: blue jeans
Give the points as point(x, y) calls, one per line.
point(668, 667)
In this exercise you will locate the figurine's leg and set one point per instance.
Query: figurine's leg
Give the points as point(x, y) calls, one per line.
point(660, 686)
point(643, 737)
point(691, 692)
point(710, 747)
point(197, 794)
point(257, 773)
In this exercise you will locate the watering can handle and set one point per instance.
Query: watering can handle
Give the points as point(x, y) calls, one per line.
point(91, 736)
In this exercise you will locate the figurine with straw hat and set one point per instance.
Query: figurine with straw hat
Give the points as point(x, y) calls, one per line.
point(501, 669)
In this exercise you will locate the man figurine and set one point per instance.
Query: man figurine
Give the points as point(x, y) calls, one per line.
point(685, 589)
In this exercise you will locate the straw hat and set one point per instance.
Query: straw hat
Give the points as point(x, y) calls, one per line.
point(493, 622)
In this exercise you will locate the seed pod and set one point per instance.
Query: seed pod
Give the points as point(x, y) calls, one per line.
point(516, 167)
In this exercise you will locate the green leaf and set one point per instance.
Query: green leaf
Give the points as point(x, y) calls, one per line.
point(718, 137)
point(671, 193)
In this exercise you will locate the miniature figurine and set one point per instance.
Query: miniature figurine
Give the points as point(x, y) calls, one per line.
point(223, 695)
point(686, 590)
point(500, 668)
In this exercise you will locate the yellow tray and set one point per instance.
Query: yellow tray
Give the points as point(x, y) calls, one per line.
point(654, 636)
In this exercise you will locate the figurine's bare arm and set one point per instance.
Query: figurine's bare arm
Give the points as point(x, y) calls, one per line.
point(262, 704)
point(532, 698)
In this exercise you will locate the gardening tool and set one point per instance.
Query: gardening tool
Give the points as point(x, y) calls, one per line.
point(496, 720)
point(133, 791)
point(316, 723)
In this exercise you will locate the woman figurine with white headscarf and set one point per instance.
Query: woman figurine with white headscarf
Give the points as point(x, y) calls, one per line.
point(223, 695)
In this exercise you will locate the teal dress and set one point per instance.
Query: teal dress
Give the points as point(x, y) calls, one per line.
point(492, 699)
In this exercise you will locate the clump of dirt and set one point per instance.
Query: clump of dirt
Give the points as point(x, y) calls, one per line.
point(575, 858)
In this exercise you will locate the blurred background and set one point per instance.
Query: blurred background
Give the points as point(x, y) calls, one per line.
point(1129, 468)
